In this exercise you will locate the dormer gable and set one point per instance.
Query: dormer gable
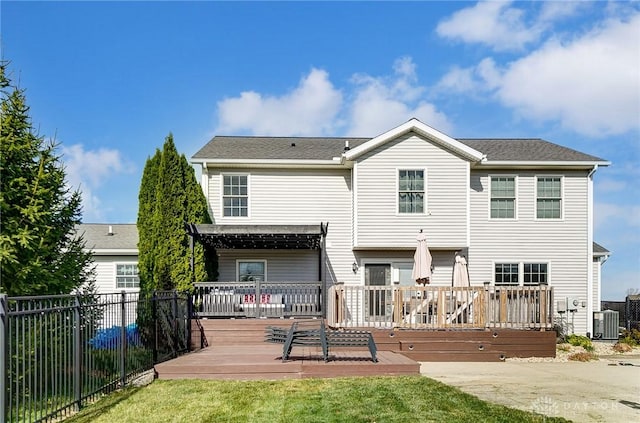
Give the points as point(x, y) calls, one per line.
point(423, 130)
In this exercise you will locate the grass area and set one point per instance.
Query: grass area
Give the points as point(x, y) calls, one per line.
point(371, 399)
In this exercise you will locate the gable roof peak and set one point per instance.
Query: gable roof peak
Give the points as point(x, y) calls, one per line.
point(422, 129)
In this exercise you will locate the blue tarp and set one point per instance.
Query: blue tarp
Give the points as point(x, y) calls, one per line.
point(106, 339)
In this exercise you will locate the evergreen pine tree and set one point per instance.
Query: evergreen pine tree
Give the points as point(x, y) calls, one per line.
point(40, 252)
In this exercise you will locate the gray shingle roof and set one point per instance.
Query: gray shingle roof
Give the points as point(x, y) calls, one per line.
point(526, 150)
point(599, 249)
point(96, 236)
point(298, 148)
point(290, 148)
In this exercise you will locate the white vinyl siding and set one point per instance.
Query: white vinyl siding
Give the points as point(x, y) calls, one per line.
point(549, 197)
point(442, 262)
point(296, 197)
point(281, 265)
point(597, 296)
point(444, 219)
point(563, 244)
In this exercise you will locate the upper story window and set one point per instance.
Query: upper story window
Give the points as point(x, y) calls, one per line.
point(411, 191)
point(127, 275)
point(503, 197)
point(235, 196)
point(549, 197)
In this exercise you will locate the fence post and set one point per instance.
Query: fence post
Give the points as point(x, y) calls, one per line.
point(189, 299)
point(154, 315)
point(174, 306)
point(77, 352)
point(4, 357)
point(123, 339)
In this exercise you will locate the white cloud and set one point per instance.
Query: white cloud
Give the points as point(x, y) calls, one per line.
point(472, 80)
point(315, 107)
point(87, 170)
point(493, 23)
point(589, 84)
point(309, 109)
point(381, 103)
point(556, 10)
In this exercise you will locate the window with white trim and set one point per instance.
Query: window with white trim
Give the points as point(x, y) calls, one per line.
point(252, 271)
point(411, 191)
point(549, 197)
point(127, 275)
point(521, 274)
point(506, 274)
point(235, 196)
point(535, 274)
point(503, 197)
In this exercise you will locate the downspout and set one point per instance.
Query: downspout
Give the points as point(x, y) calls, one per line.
point(321, 268)
point(590, 249)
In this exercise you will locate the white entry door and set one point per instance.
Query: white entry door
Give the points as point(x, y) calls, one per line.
point(378, 302)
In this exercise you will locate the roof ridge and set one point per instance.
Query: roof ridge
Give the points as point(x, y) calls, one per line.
point(292, 137)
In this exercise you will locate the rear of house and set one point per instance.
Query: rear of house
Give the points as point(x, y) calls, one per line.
point(346, 211)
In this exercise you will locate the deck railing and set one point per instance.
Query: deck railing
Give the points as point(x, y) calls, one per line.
point(258, 299)
point(435, 307)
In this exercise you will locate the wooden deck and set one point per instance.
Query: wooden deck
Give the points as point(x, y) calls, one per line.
point(237, 351)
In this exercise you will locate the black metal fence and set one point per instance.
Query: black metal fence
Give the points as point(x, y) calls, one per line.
point(629, 311)
point(632, 312)
point(58, 352)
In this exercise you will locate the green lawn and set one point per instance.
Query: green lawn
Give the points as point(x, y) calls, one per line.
point(373, 399)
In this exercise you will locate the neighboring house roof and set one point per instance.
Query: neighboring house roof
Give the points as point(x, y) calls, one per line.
point(110, 238)
point(303, 149)
point(599, 250)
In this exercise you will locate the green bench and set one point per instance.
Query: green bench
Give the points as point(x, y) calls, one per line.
point(313, 333)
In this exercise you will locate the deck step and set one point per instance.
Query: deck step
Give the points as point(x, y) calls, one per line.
point(264, 362)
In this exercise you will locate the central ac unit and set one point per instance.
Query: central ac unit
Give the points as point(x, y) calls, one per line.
point(605, 325)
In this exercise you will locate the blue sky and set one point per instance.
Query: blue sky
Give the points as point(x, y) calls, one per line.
point(109, 80)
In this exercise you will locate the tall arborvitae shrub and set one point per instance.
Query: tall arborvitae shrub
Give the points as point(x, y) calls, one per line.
point(170, 196)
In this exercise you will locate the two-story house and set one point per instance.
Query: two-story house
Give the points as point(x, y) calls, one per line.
point(521, 210)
